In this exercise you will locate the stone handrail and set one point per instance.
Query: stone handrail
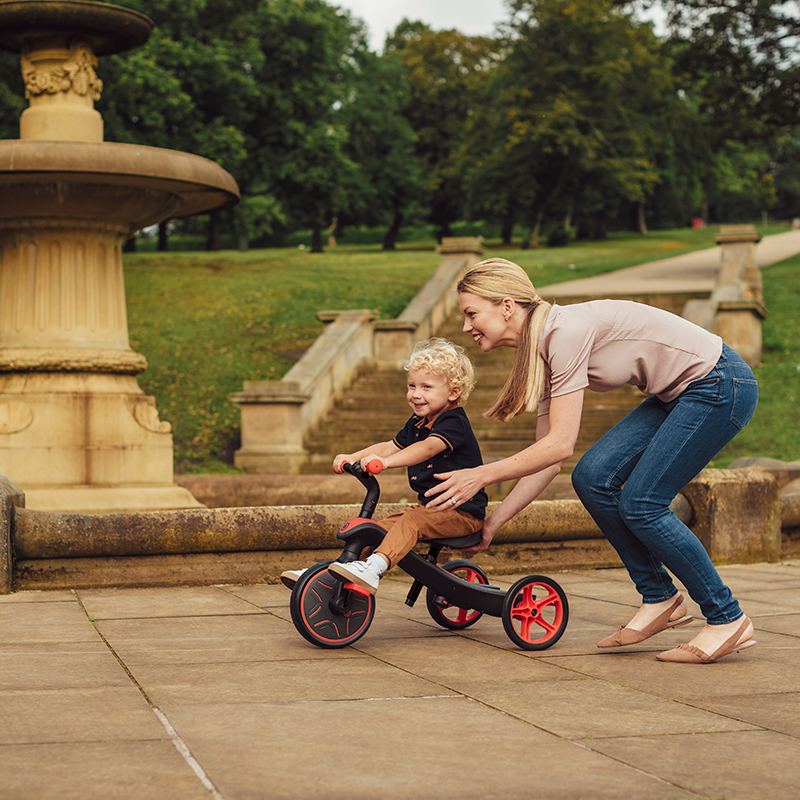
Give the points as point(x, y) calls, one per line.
point(277, 414)
point(735, 308)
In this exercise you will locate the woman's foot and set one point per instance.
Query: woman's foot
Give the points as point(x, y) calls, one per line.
point(713, 642)
point(650, 619)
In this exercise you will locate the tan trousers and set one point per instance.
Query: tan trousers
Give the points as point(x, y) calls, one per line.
point(418, 523)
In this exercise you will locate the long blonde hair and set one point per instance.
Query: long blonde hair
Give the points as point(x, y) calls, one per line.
point(495, 279)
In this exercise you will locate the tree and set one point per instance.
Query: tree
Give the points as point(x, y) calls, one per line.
point(448, 74)
point(254, 85)
point(577, 96)
point(382, 143)
point(12, 95)
point(736, 66)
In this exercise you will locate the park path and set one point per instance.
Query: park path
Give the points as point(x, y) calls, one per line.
point(692, 272)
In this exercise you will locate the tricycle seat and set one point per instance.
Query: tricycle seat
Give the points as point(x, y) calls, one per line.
point(457, 543)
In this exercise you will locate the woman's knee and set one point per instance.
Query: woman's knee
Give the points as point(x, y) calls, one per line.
point(584, 481)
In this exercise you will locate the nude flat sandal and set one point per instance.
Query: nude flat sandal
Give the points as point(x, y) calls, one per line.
point(662, 622)
point(689, 654)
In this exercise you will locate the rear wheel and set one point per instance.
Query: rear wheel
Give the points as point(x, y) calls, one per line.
point(439, 607)
point(325, 612)
point(535, 613)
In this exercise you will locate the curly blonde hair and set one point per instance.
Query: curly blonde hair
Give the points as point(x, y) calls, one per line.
point(447, 360)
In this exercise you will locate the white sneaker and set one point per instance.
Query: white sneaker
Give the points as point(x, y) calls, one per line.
point(291, 576)
point(358, 572)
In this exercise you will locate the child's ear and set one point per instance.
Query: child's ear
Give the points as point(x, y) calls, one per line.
point(455, 393)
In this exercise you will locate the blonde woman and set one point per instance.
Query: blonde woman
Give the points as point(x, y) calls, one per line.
point(700, 394)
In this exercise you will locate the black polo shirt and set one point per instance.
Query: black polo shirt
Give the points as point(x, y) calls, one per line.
point(462, 452)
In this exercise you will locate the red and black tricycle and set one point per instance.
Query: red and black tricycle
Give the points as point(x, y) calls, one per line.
point(330, 613)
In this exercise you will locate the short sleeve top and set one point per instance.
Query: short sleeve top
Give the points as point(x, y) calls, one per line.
point(604, 344)
point(461, 452)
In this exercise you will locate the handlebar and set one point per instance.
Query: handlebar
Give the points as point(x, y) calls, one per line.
point(370, 484)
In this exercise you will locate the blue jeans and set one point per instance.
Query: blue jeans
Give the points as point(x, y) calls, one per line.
point(630, 476)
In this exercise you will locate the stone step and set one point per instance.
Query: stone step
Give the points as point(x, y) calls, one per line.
point(374, 409)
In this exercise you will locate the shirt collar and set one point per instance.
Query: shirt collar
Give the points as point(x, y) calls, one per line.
point(424, 422)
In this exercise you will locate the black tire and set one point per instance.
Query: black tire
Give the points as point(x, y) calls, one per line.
point(535, 612)
point(452, 617)
point(315, 617)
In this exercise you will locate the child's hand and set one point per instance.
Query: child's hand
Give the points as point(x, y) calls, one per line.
point(372, 457)
point(340, 461)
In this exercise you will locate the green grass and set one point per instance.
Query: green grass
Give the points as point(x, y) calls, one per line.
point(209, 321)
point(774, 431)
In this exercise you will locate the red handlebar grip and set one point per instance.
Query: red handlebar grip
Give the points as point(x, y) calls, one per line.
point(374, 467)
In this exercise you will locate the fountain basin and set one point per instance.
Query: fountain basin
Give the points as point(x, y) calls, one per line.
point(131, 184)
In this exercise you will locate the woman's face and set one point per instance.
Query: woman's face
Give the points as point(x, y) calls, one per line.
point(485, 322)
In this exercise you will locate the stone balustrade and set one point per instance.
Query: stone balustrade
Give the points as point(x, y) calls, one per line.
point(277, 414)
point(735, 309)
point(738, 514)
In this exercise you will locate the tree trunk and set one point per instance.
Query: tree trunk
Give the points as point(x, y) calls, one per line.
point(568, 216)
point(706, 190)
point(316, 239)
point(212, 231)
point(163, 236)
point(641, 217)
point(507, 231)
point(600, 232)
point(532, 241)
point(390, 240)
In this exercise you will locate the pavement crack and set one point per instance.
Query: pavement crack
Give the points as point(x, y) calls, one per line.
point(175, 738)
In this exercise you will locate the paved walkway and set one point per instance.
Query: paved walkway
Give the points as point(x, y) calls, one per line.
point(187, 693)
point(695, 272)
point(210, 692)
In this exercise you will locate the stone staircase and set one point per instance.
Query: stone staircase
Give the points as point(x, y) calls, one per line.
point(374, 408)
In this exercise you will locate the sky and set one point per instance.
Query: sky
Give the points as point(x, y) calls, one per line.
point(470, 17)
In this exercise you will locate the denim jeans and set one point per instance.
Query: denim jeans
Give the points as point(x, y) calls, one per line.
point(629, 477)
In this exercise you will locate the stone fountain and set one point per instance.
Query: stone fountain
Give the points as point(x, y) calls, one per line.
point(77, 433)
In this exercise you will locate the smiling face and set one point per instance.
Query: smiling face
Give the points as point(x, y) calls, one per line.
point(486, 323)
point(429, 394)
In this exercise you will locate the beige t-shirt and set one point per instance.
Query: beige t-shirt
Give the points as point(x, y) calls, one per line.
point(604, 344)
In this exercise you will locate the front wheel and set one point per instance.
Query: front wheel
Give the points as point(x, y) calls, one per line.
point(450, 616)
point(535, 612)
point(325, 612)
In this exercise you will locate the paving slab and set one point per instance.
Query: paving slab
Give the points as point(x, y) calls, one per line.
point(425, 748)
point(211, 692)
point(163, 602)
point(98, 771)
point(733, 766)
point(101, 713)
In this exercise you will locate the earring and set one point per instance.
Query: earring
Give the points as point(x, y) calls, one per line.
point(505, 317)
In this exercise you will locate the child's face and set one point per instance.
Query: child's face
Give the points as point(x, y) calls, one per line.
point(429, 394)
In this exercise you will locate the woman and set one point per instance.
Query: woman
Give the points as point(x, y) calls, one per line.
point(700, 394)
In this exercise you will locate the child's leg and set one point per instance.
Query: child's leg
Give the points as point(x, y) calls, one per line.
point(405, 529)
point(419, 523)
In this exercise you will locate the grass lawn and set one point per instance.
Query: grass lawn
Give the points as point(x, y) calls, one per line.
point(774, 431)
point(209, 321)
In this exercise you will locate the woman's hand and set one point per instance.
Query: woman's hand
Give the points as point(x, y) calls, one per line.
point(486, 539)
point(456, 488)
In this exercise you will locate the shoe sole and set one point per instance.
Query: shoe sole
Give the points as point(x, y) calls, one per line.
point(347, 578)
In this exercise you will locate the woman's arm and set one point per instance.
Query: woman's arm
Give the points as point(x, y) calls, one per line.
point(559, 434)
